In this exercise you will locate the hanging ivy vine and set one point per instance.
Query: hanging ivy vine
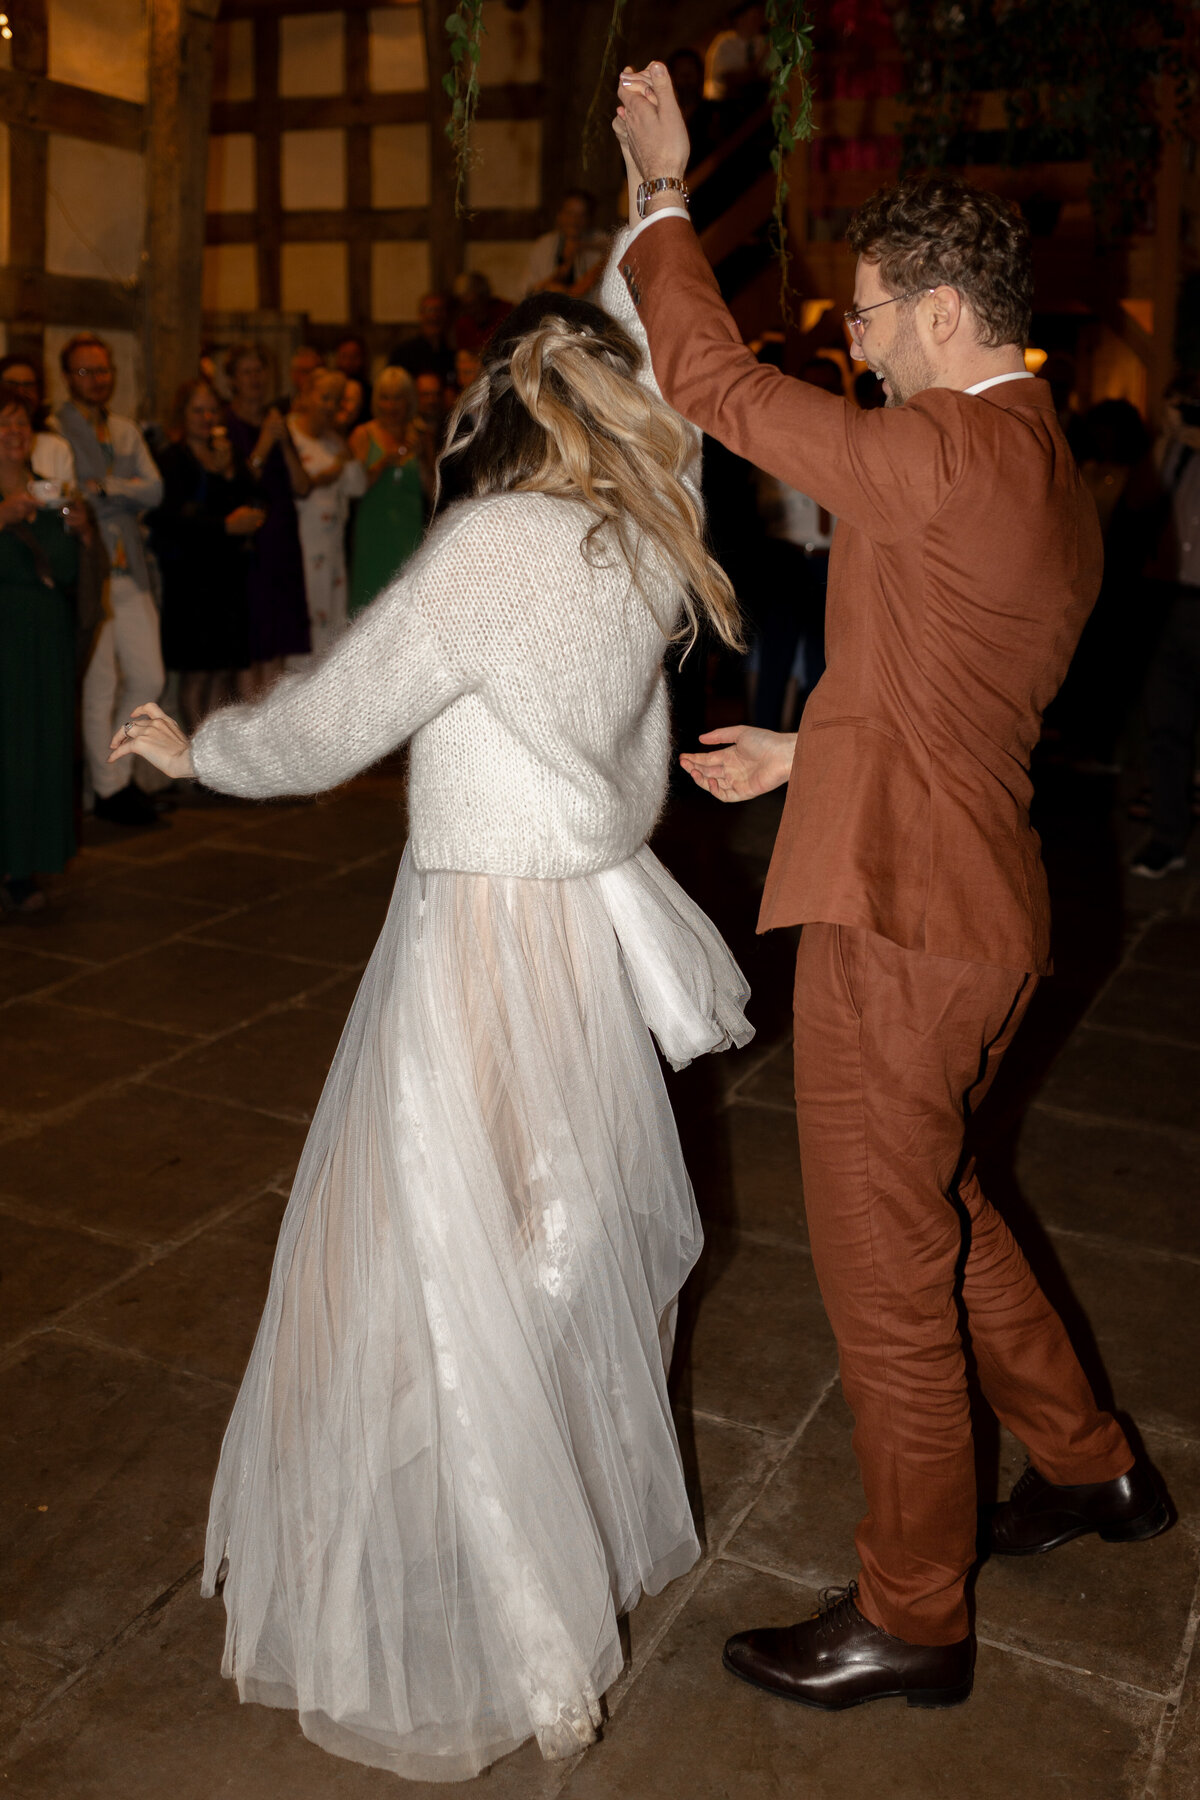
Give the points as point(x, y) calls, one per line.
point(600, 109)
point(789, 69)
point(1079, 84)
point(464, 28)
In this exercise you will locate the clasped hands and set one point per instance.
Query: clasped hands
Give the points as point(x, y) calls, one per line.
point(151, 733)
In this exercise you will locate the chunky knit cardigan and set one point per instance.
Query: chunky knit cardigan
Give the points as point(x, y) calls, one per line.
point(527, 673)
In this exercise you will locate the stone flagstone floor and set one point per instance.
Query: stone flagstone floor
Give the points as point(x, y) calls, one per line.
point(166, 1028)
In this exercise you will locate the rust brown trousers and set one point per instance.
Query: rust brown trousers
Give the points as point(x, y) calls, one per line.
point(965, 561)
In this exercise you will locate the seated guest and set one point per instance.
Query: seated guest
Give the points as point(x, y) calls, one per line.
point(390, 517)
point(201, 535)
point(337, 477)
point(39, 556)
point(430, 351)
point(52, 458)
point(477, 310)
point(275, 572)
point(570, 259)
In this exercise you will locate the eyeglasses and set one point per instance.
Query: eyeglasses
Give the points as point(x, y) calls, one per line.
point(856, 324)
point(91, 373)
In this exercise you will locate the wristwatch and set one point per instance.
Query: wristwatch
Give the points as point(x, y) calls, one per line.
point(658, 186)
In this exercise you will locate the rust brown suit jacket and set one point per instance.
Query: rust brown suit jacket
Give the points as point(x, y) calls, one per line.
point(966, 559)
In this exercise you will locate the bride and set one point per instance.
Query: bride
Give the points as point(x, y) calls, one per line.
point(452, 1464)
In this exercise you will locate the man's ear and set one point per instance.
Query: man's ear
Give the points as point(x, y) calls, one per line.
point(946, 314)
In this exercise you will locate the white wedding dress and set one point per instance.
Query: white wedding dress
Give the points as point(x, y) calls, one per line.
point(452, 1463)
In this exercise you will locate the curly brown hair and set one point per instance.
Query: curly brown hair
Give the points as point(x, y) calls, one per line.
point(934, 231)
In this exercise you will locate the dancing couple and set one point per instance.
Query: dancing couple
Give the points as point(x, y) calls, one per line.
point(452, 1464)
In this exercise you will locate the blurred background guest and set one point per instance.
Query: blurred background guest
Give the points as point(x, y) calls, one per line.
point(303, 366)
point(278, 609)
point(477, 310)
point(430, 351)
point(201, 535)
point(51, 458)
point(467, 364)
point(38, 569)
point(351, 358)
point(390, 517)
point(431, 413)
point(570, 259)
point(337, 477)
point(120, 481)
point(701, 116)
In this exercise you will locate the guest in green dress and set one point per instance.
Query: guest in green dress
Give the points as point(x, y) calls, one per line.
point(391, 515)
point(39, 560)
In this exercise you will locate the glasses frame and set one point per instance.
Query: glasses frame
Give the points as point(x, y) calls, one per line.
point(856, 323)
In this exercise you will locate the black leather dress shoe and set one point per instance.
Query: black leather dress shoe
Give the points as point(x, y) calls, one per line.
point(1038, 1516)
point(838, 1659)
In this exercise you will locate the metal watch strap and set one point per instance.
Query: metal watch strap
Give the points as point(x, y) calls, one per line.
point(659, 185)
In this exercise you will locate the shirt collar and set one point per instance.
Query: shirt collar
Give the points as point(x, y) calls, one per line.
point(995, 380)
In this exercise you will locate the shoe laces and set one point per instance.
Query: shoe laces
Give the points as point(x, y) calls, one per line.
point(835, 1607)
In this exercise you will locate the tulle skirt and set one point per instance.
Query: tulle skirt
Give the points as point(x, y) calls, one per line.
point(452, 1463)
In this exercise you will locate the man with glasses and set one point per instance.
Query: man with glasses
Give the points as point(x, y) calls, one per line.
point(965, 561)
point(119, 479)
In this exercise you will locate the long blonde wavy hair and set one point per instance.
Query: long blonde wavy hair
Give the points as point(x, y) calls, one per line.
point(557, 409)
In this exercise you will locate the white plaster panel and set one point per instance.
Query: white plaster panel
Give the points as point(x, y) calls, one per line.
point(512, 43)
point(230, 278)
point(313, 169)
point(399, 276)
point(400, 165)
point(95, 206)
point(233, 60)
point(397, 50)
point(315, 280)
point(230, 173)
point(127, 360)
point(504, 263)
point(506, 168)
point(312, 54)
point(98, 46)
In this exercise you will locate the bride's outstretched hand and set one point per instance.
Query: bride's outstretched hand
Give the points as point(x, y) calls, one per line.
point(149, 732)
point(750, 761)
point(650, 122)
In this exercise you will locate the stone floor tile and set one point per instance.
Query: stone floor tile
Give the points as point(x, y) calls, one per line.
point(156, 1718)
point(44, 1268)
point(1111, 1180)
point(1179, 1778)
point(1101, 1072)
point(335, 830)
point(689, 1731)
point(330, 921)
point(121, 1454)
point(1170, 944)
point(146, 1165)
point(804, 1520)
point(759, 1351)
point(197, 988)
point(1135, 1320)
point(1163, 1002)
point(198, 1306)
point(50, 1055)
point(28, 972)
point(337, 996)
point(26, 1680)
point(754, 1185)
point(1118, 1610)
point(97, 920)
point(219, 876)
point(279, 1063)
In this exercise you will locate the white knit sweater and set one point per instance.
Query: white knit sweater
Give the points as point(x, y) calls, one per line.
point(528, 678)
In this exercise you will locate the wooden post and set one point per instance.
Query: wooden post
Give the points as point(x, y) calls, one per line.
point(180, 88)
point(1168, 229)
point(447, 237)
point(358, 165)
point(27, 146)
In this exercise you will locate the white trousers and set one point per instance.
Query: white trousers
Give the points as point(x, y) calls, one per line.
point(125, 671)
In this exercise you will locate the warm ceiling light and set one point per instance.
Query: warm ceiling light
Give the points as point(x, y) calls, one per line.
point(1034, 360)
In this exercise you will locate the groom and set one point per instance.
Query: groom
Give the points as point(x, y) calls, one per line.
point(966, 559)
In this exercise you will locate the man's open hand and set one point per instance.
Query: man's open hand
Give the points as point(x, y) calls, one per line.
point(648, 117)
point(751, 762)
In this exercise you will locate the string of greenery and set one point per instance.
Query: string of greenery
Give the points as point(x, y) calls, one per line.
point(601, 105)
point(464, 27)
point(1080, 82)
point(789, 66)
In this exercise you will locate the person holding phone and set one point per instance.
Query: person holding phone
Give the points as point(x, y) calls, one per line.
point(202, 535)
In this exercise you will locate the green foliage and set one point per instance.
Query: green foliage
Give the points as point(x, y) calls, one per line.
point(464, 28)
point(1080, 81)
point(790, 32)
point(602, 99)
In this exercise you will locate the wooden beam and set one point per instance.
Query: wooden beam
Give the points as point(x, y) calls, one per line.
point(180, 90)
point(27, 148)
point(447, 234)
point(268, 174)
point(1168, 226)
point(342, 112)
point(30, 297)
point(370, 225)
point(358, 164)
point(45, 105)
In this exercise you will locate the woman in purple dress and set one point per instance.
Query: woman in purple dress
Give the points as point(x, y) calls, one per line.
point(275, 580)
